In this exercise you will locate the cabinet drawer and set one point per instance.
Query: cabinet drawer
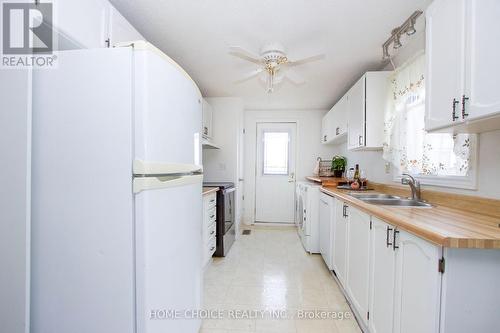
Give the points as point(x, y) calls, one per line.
point(211, 247)
point(210, 216)
point(209, 201)
point(211, 232)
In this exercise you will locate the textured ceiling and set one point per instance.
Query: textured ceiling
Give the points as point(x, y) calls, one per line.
point(197, 34)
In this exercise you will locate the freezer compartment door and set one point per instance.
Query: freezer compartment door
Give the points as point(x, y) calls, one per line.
point(167, 109)
point(169, 252)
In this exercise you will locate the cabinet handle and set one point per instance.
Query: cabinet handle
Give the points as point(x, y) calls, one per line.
point(324, 138)
point(345, 210)
point(360, 140)
point(213, 232)
point(394, 246)
point(212, 248)
point(387, 243)
point(337, 131)
point(213, 200)
point(454, 108)
point(464, 99)
point(205, 130)
point(212, 216)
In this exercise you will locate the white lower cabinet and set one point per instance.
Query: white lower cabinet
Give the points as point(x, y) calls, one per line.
point(209, 227)
point(397, 282)
point(339, 263)
point(417, 284)
point(383, 262)
point(358, 254)
point(326, 228)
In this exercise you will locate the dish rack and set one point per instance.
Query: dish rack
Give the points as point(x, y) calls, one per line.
point(325, 168)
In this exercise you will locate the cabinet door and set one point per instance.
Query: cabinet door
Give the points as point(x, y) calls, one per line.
point(444, 62)
point(483, 70)
point(207, 120)
point(120, 30)
point(381, 278)
point(356, 115)
point(83, 22)
point(325, 123)
point(418, 285)
point(340, 242)
point(325, 228)
point(341, 115)
point(358, 262)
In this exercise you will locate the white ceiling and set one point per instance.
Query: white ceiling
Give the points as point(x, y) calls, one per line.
point(197, 34)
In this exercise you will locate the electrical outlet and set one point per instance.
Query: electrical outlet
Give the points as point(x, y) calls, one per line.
point(388, 168)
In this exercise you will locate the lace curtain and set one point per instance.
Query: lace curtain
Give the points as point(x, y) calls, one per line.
point(407, 145)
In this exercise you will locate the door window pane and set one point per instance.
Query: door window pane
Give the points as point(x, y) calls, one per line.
point(276, 151)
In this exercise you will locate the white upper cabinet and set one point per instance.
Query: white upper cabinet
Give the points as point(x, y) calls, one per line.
point(482, 59)
point(326, 135)
point(417, 285)
point(365, 111)
point(462, 66)
point(92, 24)
point(82, 22)
point(334, 125)
point(444, 56)
point(120, 30)
point(207, 120)
point(358, 267)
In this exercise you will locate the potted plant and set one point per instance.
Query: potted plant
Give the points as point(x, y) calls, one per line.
point(338, 165)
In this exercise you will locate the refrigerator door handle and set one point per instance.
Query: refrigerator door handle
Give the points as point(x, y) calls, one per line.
point(155, 183)
point(142, 168)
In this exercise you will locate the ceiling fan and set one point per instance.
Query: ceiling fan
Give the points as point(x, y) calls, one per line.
point(274, 63)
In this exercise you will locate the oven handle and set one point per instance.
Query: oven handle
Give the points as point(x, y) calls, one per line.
point(229, 190)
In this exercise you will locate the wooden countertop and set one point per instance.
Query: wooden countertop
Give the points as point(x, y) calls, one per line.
point(208, 190)
point(326, 181)
point(441, 225)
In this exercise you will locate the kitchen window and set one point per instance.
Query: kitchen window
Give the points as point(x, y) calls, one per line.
point(276, 153)
point(440, 159)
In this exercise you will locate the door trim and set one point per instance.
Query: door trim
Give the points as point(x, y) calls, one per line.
point(273, 121)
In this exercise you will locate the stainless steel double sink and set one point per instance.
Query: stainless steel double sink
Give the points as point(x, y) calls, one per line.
point(389, 200)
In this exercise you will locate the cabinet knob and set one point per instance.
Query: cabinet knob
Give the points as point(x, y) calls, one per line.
point(464, 99)
point(454, 108)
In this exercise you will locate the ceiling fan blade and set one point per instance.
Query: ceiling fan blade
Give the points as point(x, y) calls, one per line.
point(306, 60)
point(294, 77)
point(244, 54)
point(250, 75)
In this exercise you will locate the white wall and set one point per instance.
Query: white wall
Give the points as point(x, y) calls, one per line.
point(15, 182)
point(489, 147)
point(309, 146)
point(224, 164)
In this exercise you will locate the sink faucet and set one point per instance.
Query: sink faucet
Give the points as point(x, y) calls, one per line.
point(414, 184)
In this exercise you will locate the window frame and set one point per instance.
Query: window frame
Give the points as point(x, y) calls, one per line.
point(264, 131)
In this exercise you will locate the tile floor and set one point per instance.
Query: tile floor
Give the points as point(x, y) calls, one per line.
point(269, 270)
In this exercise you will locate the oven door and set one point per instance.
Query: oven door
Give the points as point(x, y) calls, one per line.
point(229, 209)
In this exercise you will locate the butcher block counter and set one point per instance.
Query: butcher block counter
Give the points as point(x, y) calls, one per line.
point(208, 190)
point(326, 181)
point(441, 224)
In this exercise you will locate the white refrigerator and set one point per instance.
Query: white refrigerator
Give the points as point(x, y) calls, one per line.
point(116, 194)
